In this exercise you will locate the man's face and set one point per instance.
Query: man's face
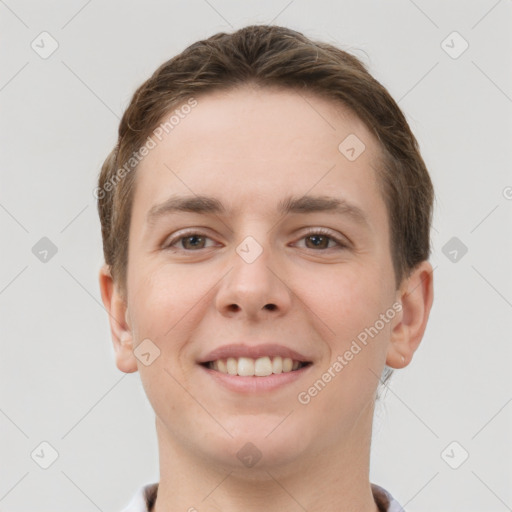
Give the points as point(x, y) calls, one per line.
point(309, 280)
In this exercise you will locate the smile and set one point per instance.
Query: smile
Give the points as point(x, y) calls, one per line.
point(260, 367)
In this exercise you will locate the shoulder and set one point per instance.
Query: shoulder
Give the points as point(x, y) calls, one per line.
point(384, 500)
point(143, 500)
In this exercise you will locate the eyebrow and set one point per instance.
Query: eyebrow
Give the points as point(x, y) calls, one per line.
point(211, 205)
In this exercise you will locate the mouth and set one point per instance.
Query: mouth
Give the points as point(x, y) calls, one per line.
point(255, 367)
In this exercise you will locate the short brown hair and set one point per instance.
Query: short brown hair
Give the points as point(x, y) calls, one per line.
point(272, 56)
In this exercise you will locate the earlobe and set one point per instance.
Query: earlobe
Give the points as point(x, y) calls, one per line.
point(120, 329)
point(416, 295)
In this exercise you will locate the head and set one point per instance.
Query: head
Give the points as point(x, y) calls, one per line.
point(263, 130)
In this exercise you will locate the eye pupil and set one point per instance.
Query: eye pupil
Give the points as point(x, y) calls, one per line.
point(319, 239)
point(192, 237)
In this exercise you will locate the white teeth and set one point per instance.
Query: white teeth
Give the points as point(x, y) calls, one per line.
point(245, 366)
point(232, 366)
point(277, 365)
point(221, 365)
point(261, 367)
point(287, 364)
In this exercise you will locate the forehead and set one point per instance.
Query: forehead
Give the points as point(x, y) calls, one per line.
point(250, 147)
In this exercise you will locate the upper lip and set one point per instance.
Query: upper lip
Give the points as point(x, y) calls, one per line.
point(254, 352)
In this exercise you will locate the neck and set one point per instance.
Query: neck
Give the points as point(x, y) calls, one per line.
point(330, 480)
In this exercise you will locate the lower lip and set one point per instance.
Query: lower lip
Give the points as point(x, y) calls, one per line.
point(255, 384)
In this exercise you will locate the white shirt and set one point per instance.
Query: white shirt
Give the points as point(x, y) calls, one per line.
point(382, 497)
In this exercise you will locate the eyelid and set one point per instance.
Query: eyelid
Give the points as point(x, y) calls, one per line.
point(178, 235)
point(341, 241)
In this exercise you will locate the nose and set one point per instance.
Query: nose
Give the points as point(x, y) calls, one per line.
point(253, 288)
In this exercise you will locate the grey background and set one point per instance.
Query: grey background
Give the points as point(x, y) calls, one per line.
point(58, 121)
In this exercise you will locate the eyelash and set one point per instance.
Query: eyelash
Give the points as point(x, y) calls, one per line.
point(315, 231)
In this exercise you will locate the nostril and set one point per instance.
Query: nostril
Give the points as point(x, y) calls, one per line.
point(270, 306)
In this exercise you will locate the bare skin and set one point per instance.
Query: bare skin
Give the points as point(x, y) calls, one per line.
point(311, 292)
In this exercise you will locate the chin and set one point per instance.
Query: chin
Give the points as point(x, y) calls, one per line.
point(258, 444)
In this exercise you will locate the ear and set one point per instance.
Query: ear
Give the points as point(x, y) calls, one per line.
point(120, 330)
point(415, 295)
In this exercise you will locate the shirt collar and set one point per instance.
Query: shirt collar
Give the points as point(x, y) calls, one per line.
point(145, 499)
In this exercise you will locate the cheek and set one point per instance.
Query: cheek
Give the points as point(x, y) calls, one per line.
point(164, 301)
point(354, 312)
point(164, 306)
point(346, 299)
point(349, 301)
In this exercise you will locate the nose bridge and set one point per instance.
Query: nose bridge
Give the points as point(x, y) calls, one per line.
point(252, 287)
